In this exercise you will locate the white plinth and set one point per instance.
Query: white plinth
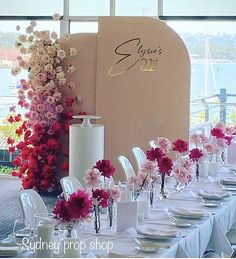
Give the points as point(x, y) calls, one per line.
point(86, 147)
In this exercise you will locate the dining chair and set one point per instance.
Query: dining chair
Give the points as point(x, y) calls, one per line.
point(139, 155)
point(70, 184)
point(109, 182)
point(127, 167)
point(31, 204)
point(152, 143)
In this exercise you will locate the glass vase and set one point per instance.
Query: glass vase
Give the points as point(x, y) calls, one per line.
point(179, 186)
point(163, 191)
point(97, 218)
point(110, 214)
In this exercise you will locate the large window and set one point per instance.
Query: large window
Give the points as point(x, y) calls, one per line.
point(211, 44)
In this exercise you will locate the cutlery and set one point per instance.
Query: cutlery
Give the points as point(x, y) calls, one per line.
point(227, 188)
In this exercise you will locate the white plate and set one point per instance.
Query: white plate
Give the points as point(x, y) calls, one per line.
point(9, 251)
point(228, 180)
point(188, 213)
point(214, 195)
point(158, 234)
point(149, 249)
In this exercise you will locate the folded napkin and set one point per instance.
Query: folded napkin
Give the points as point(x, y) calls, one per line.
point(157, 233)
point(9, 251)
point(214, 194)
point(187, 212)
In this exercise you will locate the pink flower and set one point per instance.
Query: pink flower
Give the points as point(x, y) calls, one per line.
point(149, 167)
point(50, 100)
point(105, 167)
point(163, 143)
point(228, 140)
point(114, 194)
point(181, 175)
point(180, 146)
point(140, 181)
point(41, 77)
point(211, 148)
point(92, 178)
point(198, 139)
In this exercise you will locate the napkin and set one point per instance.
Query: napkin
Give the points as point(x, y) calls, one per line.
point(214, 194)
point(187, 212)
point(228, 180)
point(157, 233)
point(9, 251)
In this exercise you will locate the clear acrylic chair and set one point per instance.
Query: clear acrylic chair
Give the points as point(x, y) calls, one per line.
point(127, 167)
point(152, 143)
point(31, 204)
point(140, 156)
point(70, 184)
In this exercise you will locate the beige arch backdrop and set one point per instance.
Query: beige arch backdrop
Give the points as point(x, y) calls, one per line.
point(135, 73)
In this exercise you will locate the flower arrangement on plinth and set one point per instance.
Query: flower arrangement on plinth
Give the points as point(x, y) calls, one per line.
point(76, 209)
point(46, 120)
point(99, 180)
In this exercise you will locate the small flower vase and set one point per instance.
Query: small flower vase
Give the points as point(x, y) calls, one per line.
point(197, 172)
point(151, 195)
point(179, 186)
point(163, 191)
point(135, 195)
point(97, 219)
point(223, 156)
point(110, 214)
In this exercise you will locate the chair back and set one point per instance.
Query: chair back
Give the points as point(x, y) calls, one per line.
point(127, 167)
point(70, 184)
point(152, 143)
point(31, 204)
point(140, 156)
point(109, 182)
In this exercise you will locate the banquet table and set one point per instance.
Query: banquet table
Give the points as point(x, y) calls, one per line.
point(207, 232)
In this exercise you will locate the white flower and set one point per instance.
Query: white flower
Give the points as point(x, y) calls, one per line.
point(62, 81)
point(61, 54)
point(33, 23)
point(56, 17)
point(70, 69)
point(54, 35)
point(72, 85)
point(60, 75)
point(48, 67)
point(29, 29)
point(17, 27)
point(72, 52)
point(23, 50)
point(22, 38)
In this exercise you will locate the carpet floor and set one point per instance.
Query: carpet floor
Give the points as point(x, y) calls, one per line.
point(10, 209)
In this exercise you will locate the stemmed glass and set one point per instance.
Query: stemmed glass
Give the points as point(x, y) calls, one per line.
point(22, 235)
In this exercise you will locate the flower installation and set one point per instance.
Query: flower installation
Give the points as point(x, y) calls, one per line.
point(77, 209)
point(48, 113)
point(99, 180)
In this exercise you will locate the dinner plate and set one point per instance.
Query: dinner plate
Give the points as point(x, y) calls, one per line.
point(214, 195)
point(158, 234)
point(9, 251)
point(228, 181)
point(188, 213)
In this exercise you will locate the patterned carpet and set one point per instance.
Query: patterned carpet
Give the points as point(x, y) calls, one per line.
point(10, 206)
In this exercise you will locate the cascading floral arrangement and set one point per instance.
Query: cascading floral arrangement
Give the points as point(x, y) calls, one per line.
point(45, 121)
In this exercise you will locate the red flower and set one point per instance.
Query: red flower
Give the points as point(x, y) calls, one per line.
point(69, 101)
point(105, 167)
point(12, 149)
point(51, 159)
point(70, 115)
point(28, 183)
point(19, 131)
point(218, 133)
point(165, 165)
point(10, 141)
point(20, 145)
point(27, 134)
point(195, 154)
point(32, 165)
point(66, 128)
point(66, 152)
point(228, 140)
point(61, 211)
point(47, 169)
point(154, 154)
point(17, 161)
point(65, 166)
point(180, 146)
point(18, 117)
point(11, 119)
point(80, 205)
point(56, 126)
point(54, 144)
point(101, 196)
point(25, 153)
point(38, 129)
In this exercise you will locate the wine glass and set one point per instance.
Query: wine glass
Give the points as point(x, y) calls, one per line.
point(21, 234)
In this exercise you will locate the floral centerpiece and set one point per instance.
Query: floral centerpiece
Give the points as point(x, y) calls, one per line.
point(99, 180)
point(196, 155)
point(75, 210)
point(46, 120)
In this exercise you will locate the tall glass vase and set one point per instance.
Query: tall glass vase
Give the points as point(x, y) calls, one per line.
point(110, 214)
point(97, 219)
point(163, 190)
point(197, 172)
